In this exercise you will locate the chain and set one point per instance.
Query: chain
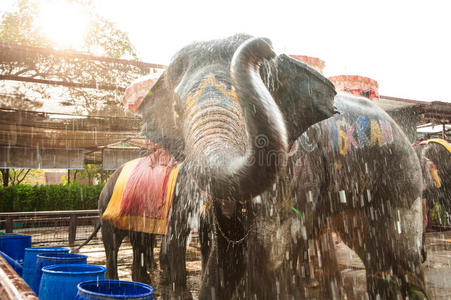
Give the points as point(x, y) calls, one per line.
point(210, 205)
point(224, 235)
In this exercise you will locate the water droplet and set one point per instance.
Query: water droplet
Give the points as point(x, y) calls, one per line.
point(342, 195)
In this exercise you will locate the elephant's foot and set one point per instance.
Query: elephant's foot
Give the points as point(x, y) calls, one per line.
point(142, 277)
point(331, 287)
point(309, 283)
point(168, 293)
point(384, 286)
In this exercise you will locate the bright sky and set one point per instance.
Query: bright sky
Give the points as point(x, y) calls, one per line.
point(404, 45)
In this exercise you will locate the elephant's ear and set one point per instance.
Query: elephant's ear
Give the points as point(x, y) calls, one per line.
point(304, 96)
point(159, 119)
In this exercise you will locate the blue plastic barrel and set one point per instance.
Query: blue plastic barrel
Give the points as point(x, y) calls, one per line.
point(113, 289)
point(14, 245)
point(29, 263)
point(13, 263)
point(60, 281)
point(46, 259)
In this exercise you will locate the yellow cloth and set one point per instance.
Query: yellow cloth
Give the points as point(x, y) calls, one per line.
point(441, 142)
point(138, 223)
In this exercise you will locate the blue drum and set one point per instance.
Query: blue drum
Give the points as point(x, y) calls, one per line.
point(30, 259)
point(14, 245)
point(47, 259)
point(60, 281)
point(114, 289)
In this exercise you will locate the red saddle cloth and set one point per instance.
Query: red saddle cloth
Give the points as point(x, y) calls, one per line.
point(143, 193)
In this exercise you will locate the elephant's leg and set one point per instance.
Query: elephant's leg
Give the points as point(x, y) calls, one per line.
point(304, 261)
point(224, 270)
point(112, 239)
point(142, 244)
point(330, 276)
point(205, 232)
point(399, 241)
point(173, 252)
point(390, 249)
point(173, 255)
point(360, 235)
point(150, 262)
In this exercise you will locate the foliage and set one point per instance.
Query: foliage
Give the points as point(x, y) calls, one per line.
point(25, 176)
point(72, 196)
point(18, 28)
point(91, 172)
point(439, 216)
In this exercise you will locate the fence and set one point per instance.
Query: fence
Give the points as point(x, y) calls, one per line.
point(62, 227)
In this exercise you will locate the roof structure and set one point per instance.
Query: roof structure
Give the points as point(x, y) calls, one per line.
point(34, 139)
point(436, 111)
point(46, 133)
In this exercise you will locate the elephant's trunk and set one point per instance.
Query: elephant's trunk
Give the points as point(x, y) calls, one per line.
point(268, 143)
point(239, 160)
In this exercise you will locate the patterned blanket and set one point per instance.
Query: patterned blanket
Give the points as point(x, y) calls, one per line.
point(143, 194)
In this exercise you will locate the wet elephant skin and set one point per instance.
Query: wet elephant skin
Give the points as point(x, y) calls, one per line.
point(356, 174)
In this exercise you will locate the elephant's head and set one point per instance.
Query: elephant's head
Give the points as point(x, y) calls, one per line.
point(212, 105)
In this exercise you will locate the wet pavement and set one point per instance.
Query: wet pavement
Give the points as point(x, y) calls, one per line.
point(437, 267)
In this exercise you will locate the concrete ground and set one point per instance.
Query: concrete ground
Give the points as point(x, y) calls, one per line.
point(437, 266)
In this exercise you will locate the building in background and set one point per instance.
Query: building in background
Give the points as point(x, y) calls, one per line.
point(419, 119)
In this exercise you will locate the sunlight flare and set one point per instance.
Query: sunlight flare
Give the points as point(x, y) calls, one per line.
point(65, 24)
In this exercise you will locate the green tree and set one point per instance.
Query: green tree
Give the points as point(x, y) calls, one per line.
point(24, 176)
point(18, 28)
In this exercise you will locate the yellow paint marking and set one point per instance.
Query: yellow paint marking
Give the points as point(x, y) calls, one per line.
point(192, 101)
point(376, 134)
point(434, 174)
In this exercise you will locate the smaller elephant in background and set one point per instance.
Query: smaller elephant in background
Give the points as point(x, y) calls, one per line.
point(143, 228)
point(435, 155)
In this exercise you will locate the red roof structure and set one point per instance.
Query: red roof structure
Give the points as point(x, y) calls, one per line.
point(356, 85)
point(313, 62)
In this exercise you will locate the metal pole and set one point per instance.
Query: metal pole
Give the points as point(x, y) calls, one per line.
point(72, 229)
point(102, 172)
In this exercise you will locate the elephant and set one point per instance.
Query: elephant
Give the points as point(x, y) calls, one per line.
point(437, 152)
point(212, 109)
point(431, 183)
point(253, 214)
point(355, 174)
point(234, 140)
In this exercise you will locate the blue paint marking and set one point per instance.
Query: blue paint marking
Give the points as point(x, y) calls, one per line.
point(334, 135)
point(361, 125)
point(210, 89)
point(310, 144)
